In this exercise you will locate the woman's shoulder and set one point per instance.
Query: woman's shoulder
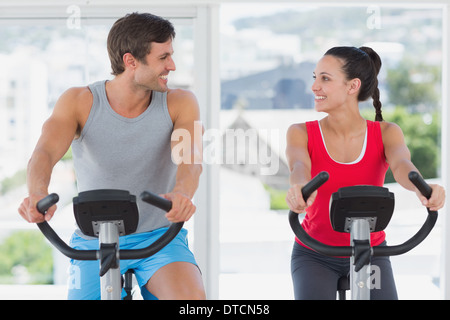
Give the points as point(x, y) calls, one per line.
point(301, 127)
point(297, 127)
point(390, 131)
point(389, 127)
point(297, 133)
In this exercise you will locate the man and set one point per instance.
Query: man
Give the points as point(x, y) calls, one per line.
point(120, 132)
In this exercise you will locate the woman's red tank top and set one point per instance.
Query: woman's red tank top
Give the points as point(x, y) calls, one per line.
point(369, 169)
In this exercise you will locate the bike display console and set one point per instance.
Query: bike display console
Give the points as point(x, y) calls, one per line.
point(91, 208)
point(374, 204)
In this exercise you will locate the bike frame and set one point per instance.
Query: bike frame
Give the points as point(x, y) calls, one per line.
point(109, 252)
point(360, 233)
point(110, 283)
point(359, 280)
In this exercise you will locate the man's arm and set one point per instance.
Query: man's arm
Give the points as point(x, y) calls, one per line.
point(57, 134)
point(187, 151)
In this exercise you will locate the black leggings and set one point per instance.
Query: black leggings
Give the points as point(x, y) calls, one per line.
point(315, 276)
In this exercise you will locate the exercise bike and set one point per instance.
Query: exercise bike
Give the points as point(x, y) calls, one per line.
point(360, 210)
point(108, 214)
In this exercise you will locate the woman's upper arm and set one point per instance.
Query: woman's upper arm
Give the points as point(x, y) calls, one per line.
point(297, 153)
point(397, 154)
point(395, 148)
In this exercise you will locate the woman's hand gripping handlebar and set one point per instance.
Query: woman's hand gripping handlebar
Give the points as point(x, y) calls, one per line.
point(301, 234)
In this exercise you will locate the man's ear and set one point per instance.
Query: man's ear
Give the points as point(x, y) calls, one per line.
point(129, 61)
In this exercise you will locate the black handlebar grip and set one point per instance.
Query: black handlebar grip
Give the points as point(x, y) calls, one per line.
point(156, 200)
point(420, 184)
point(44, 204)
point(314, 184)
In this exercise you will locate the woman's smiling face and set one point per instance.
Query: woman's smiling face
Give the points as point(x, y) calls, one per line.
point(330, 87)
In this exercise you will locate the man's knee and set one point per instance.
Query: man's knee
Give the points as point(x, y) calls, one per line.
point(181, 292)
point(189, 294)
point(177, 281)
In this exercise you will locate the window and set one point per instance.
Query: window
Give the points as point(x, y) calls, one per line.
point(44, 56)
point(267, 52)
point(268, 55)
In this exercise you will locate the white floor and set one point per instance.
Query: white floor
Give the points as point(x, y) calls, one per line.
point(237, 287)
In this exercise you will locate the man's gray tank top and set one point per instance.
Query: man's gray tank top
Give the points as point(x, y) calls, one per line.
point(134, 154)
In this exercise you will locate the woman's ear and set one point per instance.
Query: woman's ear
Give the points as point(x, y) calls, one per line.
point(354, 86)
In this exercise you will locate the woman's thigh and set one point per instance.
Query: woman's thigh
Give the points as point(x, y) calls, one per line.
point(314, 276)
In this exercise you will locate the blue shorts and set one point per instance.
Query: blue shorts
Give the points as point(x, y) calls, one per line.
point(84, 280)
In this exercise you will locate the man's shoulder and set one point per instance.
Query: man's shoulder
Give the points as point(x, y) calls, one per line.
point(180, 94)
point(75, 102)
point(181, 98)
point(78, 95)
point(182, 105)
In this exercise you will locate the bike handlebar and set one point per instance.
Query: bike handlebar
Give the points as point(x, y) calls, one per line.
point(153, 199)
point(164, 240)
point(328, 250)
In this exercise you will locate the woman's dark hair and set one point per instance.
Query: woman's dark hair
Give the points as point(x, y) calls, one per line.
point(365, 64)
point(134, 34)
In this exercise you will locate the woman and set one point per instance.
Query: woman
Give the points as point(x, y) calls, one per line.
point(354, 151)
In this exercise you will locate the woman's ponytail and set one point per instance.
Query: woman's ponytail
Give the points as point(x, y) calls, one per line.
point(376, 63)
point(365, 64)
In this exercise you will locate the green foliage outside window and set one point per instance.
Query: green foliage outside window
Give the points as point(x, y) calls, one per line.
point(25, 257)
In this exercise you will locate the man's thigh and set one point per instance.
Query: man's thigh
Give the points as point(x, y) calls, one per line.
point(177, 281)
point(171, 272)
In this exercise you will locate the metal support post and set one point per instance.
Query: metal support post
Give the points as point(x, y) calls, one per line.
point(359, 279)
point(111, 286)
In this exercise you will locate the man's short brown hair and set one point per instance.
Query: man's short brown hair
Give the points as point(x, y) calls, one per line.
point(134, 34)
